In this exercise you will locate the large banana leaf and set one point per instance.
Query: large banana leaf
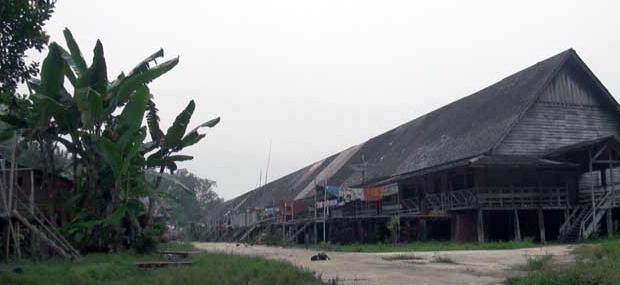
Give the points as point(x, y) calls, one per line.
point(175, 133)
point(144, 64)
point(133, 112)
point(192, 137)
point(174, 158)
point(52, 80)
point(111, 154)
point(130, 83)
point(76, 61)
point(98, 72)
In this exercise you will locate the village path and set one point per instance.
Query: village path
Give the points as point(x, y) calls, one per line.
point(458, 267)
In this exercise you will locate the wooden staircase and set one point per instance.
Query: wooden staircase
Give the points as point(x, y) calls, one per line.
point(38, 223)
point(584, 220)
point(247, 233)
point(293, 236)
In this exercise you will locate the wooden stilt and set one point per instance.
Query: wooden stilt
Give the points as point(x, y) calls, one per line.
point(329, 232)
point(480, 226)
point(360, 231)
point(283, 232)
point(423, 234)
point(7, 239)
point(541, 225)
point(610, 223)
point(315, 232)
point(517, 226)
point(18, 250)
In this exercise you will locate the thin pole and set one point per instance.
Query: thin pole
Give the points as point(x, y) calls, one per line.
point(591, 184)
point(260, 178)
point(268, 163)
point(324, 210)
point(610, 229)
point(316, 238)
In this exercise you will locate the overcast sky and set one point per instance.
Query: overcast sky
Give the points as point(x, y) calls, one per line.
point(316, 77)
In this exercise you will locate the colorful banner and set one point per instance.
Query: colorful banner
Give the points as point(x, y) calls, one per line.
point(333, 191)
point(373, 193)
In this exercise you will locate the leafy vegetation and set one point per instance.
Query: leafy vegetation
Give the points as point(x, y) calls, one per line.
point(597, 263)
point(177, 246)
point(188, 200)
point(538, 262)
point(100, 125)
point(423, 246)
point(117, 269)
point(21, 24)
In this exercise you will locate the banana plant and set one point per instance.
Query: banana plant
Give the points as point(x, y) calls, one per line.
point(169, 144)
point(100, 122)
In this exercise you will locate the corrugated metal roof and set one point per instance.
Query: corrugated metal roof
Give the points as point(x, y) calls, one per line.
point(459, 131)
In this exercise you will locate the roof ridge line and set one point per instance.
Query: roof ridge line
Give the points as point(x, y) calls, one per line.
point(529, 105)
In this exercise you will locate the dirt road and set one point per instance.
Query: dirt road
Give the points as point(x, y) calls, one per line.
point(442, 267)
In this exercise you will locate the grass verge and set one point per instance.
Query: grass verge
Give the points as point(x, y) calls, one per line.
point(177, 246)
point(422, 246)
point(597, 263)
point(117, 269)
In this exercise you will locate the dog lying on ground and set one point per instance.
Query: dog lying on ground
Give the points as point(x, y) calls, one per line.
point(319, 256)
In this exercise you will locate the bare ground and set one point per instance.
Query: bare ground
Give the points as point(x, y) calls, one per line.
point(440, 267)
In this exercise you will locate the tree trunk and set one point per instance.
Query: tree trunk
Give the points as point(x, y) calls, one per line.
point(148, 222)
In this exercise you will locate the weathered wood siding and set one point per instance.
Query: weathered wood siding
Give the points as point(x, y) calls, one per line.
point(567, 112)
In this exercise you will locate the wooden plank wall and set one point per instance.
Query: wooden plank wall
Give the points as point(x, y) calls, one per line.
point(571, 110)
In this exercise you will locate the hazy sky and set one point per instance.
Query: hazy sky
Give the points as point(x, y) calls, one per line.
point(316, 77)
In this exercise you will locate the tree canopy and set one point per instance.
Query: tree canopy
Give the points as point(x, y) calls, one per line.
point(21, 29)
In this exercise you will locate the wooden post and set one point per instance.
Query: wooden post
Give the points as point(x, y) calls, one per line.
point(31, 198)
point(329, 231)
point(480, 226)
point(315, 232)
point(517, 226)
point(591, 184)
point(18, 251)
point(610, 223)
point(360, 231)
point(541, 225)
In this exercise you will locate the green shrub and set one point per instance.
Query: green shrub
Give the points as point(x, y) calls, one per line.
point(538, 262)
point(595, 264)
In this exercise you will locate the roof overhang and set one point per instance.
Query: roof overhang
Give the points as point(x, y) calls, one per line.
point(583, 146)
point(479, 161)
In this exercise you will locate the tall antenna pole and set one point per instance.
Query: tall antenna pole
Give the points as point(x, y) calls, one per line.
point(260, 178)
point(268, 163)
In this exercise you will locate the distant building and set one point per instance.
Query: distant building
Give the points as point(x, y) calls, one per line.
point(534, 155)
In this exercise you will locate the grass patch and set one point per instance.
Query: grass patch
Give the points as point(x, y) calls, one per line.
point(117, 269)
point(177, 246)
point(538, 262)
point(595, 264)
point(423, 246)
